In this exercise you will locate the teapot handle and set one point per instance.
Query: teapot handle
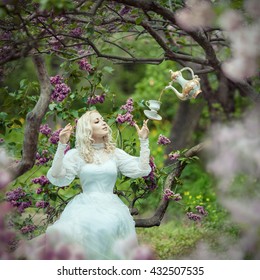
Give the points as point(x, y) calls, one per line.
point(188, 68)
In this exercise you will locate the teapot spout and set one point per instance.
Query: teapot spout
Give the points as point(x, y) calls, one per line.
point(178, 94)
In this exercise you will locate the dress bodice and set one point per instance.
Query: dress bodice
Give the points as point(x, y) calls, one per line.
point(98, 177)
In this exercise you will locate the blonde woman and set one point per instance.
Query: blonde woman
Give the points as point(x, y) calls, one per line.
point(96, 220)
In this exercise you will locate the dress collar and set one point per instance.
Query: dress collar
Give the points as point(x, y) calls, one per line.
point(98, 146)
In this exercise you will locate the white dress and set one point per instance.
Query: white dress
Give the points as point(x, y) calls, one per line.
point(96, 219)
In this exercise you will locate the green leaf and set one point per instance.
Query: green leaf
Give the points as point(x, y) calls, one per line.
point(108, 69)
point(52, 106)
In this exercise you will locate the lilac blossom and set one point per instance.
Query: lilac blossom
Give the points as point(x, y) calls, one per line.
point(42, 204)
point(170, 195)
point(16, 197)
point(195, 15)
point(54, 139)
point(42, 180)
point(201, 210)
point(150, 179)
point(2, 140)
point(60, 92)
point(45, 129)
point(85, 65)
point(127, 117)
point(163, 140)
point(193, 217)
point(56, 80)
point(39, 191)
point(125, 10)
point(42, 158)
point(96, 99)
point(174, 156)
point(76, 32)
point(27, 229)
point(129, 106)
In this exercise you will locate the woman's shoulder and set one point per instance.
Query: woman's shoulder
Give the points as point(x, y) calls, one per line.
point(72, 153)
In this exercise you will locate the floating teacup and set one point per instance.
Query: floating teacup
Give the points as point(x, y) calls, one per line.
point(154, 106)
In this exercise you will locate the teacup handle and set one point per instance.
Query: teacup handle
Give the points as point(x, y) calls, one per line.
point(147, 103)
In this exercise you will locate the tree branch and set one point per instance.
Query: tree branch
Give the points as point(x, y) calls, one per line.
point(170, 183)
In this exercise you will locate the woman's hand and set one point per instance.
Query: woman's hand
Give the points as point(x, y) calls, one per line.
point(64, 135)
point(144, 131)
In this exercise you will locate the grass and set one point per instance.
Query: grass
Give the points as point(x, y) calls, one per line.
point(178, 239)
point(172, 240)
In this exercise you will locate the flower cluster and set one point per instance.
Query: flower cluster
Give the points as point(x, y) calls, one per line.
point(76, 32)
point(163, 140)
point(54, 139)
point(169, 194)
point(28, 229)
point(16, 197)
point(174, 156)
point(42, 204)
point(127, 117)
point(150, 179)
point(61, 90)
point(42, 158)
point(85, 65)
point(45, 129)
point(42, 180)
point(197, 217)
point(96, 99)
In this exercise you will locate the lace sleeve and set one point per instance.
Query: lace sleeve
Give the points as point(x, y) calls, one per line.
point(64, 167)
point(134, 167)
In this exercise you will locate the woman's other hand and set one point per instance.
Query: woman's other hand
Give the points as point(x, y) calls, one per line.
point(143, 133)
point(64, 135)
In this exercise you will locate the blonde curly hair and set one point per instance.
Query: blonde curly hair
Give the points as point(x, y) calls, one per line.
point(84, 138)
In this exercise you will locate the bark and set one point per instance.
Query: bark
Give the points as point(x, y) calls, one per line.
point(33, 121)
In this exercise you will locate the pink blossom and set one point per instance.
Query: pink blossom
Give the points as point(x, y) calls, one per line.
point(163, 140)
point(196, 14)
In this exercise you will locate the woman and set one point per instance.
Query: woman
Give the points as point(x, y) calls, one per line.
point(97, 220)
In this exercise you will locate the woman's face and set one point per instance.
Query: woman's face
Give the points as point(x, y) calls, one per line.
point(99, 127)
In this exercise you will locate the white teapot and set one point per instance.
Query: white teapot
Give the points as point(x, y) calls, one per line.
point(190, 88)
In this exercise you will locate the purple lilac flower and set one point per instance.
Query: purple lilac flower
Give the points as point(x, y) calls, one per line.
point(42, 180)
point(42, 204)
point(169, 194)
point(125, 10)
point(2, 140)
point(129, 106)
point(174, 156)
point(163, 140)
point(54, 139)
point(55, 80)
point(15, 194)
point(28, 228)
point(45, 129)
point(96, 99)
point(150, 179)
point(60, 92)
point(85, 65)
point(193, 217)
point(127, 117)
point(39, 191)
point(201, 210)
point(42, 158)
point(76, 32)
point(21, 206)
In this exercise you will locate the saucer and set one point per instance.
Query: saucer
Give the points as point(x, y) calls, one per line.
point(152, 115)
